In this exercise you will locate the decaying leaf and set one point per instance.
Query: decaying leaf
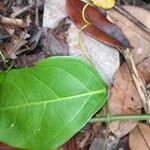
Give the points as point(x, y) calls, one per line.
point(17, 41)
point(124, 99)
point(139, 137)
point(30, 60)
point(141, 50)
point(144, 69)
point(101, 29)
point(52, 43)
point(140, 40)
point(97, 143)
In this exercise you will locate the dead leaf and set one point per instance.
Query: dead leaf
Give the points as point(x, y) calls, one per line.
point(52, 43)
point(97, 143)
point(139, 39)
point(124, 99)
point(101, 29)
point(144, 69)
point(15, 44)
point(30, 60)
point(139, 137)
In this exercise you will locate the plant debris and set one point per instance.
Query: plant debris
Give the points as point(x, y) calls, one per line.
point(24, 42)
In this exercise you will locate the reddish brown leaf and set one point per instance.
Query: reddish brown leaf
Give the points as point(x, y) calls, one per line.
point(101, 29)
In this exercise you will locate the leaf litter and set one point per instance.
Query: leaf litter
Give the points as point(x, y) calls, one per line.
point(19, 44)
point(26, 47)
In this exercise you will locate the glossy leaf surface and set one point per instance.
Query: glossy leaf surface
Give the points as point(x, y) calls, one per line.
point(101, 28)
point(44, 106)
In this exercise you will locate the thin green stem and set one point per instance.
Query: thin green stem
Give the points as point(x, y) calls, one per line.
point(109, 118)
point(81, 42)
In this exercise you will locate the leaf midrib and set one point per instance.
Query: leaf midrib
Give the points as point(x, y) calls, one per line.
point(56, 100)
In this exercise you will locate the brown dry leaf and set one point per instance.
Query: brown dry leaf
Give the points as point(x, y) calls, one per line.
point(52, 43)
point(139, 137)
point(124, 99)
point(30, 60)
point(144, 69)
point(139, 39)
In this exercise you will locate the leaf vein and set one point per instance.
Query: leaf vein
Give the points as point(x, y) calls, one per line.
point(56, 100)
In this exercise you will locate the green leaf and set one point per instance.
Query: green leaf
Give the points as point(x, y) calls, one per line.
point(2, 75)
point(44, 106)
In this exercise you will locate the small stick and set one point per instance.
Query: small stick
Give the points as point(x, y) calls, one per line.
point(37, 15)
point(145, 97)
point(17, 13)
point(125, 13)
point(13, 22)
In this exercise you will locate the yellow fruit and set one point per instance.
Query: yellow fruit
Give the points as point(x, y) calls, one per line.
point(105, 4)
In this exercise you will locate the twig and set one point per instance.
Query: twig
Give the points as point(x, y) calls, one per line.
point(144, 95)
point(13, 22)
point(17, 13)
point(125, 13)
point(37, 15)
point(85, 140)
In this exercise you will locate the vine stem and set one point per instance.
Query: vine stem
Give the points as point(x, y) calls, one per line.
point(110, 118)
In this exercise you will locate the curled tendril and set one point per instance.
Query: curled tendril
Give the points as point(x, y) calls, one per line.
point(80, 37)
point(83, 14)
